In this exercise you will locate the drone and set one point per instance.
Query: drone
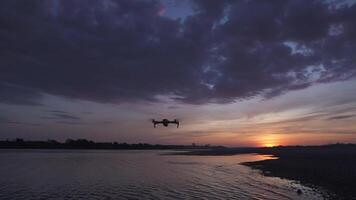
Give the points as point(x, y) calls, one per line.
point(165, 122)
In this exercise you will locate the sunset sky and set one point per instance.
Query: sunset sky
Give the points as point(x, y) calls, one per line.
point(236, 73)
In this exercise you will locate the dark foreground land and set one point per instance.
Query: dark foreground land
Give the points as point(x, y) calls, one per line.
point(331, 167)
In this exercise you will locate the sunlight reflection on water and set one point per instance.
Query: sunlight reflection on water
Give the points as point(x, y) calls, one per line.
point(99, 174)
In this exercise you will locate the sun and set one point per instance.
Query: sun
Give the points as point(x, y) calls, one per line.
point(269, 145)
point(269, 140)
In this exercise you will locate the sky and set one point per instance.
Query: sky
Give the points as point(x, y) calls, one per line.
point(235, 73)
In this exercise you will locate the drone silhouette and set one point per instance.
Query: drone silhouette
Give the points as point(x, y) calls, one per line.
point(165, 122)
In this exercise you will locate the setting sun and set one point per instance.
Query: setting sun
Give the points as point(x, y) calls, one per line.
point(269, 145)
point(269, 140)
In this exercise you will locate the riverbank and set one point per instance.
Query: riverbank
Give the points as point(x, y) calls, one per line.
point(331, 167)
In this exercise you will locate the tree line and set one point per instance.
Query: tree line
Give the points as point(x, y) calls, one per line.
point(89, 144)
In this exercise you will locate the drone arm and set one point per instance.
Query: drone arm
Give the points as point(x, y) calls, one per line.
point(155, 123)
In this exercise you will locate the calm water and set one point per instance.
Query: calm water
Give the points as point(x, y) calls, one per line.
point(99, 174)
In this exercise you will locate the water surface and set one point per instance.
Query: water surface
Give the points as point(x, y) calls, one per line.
point(129, 174)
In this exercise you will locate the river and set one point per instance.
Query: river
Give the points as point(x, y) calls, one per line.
point(134, 174)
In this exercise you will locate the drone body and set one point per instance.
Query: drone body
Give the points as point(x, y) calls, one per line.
point(165, 122)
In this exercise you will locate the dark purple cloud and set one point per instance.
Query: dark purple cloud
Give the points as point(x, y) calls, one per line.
point(61, 115)
point(119, 51)
point(66, 116)
point(11, 122)
point(340, 117)
point(16, 94)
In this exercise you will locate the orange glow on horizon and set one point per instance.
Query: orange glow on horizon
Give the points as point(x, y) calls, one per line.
point(269, 145)
point(262, 138)
point(269, 140)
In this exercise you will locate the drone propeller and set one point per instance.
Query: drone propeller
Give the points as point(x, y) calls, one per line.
point(153, 121)
point(177, 121)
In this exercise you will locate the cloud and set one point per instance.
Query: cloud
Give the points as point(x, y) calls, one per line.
point(4, 121)
point(20, 95)
point(341, 117)
point(68, 122)
point(65, 116)
point(57, 111)
point(61, 115)
point(122, 51)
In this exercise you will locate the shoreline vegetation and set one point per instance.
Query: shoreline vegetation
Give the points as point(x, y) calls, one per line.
point(329, 167)
point(88, 144)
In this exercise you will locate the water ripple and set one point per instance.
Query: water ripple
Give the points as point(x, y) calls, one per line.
point(137, 175)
